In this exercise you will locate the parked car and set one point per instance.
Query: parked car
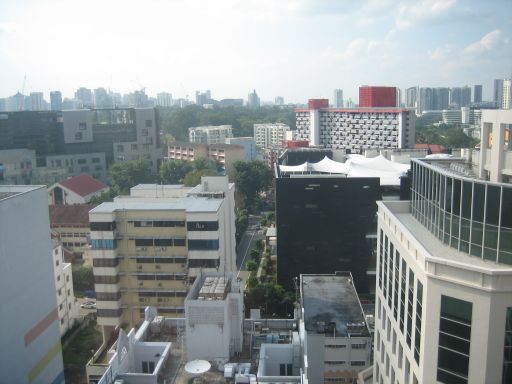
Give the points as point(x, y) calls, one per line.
point(88, 305)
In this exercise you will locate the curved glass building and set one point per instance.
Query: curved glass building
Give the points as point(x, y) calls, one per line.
point(471, 215)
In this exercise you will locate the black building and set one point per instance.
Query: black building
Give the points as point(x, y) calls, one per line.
point(38, 130)
point(325, 224)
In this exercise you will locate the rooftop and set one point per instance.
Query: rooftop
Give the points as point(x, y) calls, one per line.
point(331, 305)
point(434, 247)
point(8, 191)
point(76, 215)
point(188, 204)
point(83, 184)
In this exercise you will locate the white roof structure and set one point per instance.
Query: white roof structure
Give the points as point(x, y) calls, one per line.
point(388, 171)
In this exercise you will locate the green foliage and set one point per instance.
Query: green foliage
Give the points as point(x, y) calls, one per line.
point(105, 196)
point(259, 245)
point(125, 175)
point(451, 136)
point(187, 172)
point(193, 178)
point(83, 279)
point(176, 121)
point(252, 266)
point(174, 171)
point(241, 223)
point(271, 298)
point(255, 254)
point(251, 178)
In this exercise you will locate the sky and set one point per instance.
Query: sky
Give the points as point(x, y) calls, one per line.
point(297, 49)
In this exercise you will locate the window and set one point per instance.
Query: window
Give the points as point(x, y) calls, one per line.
point(203, 245)
point(359, 346)
point(81, 161)
point(103, 244)
point(120, 148)
point(149, 123)
point(109, 312)
point(108, 296)
point(56, 263)
point(134, 147)
point(78, 136)
point(104, 262)
point(357, 363)
point(203, 225)
point(144, 132)
point(203, 263)
point(82, 126)
point(454, 340)
point(106, 279)
point(95, 160)
point(84, 169)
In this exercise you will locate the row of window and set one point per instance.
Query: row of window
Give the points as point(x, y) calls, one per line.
point(163, 294)
point(162, 276)
point(161, 260)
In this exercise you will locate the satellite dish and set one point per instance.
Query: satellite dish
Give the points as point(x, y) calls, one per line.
point(197, 367)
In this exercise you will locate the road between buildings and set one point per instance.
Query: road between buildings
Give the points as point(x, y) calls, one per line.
point(249, 238)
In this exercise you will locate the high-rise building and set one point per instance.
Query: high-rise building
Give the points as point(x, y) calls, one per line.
point(279, 100)
point(444, 274)
point(102, 98)
point(506, 97)
point(210, 134)
point(498, 91)
point(338, 98)
point(441, 98)
point(411, 97)
point(377, 97)
point(354, 129)
point(148, 247)
point(164, 99)
point(30, 336)
point(460, 96)
point(36, 101)
point(477, 93)
point(269, 135)
point(253, 100)
point(323, 225)
point(85, 97)
point(203, 97)
point(56, 101)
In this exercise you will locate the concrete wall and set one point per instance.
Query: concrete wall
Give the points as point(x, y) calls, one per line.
point(29, 332)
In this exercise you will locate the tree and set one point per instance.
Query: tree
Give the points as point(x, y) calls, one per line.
point(252, 266)
point(128, 174)
point(241, 223)
point(251, 178)
point(174, 171)
point(83, 279)
point(193, 178)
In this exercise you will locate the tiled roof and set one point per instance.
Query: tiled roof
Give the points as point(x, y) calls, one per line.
point(435, 148)
point(66, 215)
point(83, 184)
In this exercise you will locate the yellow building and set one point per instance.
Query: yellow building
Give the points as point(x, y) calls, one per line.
point(148, 247)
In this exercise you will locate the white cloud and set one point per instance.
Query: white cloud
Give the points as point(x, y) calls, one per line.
point(411, 13)
point(486, 43)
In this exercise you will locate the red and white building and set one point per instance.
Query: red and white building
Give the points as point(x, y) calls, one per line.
point(76, 190)
point(354, 129)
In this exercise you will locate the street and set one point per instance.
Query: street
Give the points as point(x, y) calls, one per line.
point(249, 238)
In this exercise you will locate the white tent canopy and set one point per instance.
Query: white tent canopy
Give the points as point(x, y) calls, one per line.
point(387, 171)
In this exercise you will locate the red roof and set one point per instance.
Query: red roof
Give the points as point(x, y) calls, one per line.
point(76, 215)
point(434, 148)
point(83, 184)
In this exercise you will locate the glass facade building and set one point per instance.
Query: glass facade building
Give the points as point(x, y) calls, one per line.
point(474, 216)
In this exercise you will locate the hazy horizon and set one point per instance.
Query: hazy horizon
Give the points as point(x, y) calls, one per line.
point(297, 49)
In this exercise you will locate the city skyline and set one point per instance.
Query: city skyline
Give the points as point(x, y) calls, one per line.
point(295, 49)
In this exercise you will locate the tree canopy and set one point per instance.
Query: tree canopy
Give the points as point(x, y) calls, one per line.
point(251, 179)
point(176, 121)
point(127, 174)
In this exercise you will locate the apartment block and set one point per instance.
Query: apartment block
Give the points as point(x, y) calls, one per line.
point(224, 154)
point(354, 129)
point(30, 334)
point(270, 135)
point(444, 279)
point(248, 143)
point(66, 302)
point(495, 162)
point(210, 134)
point(148, 247)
